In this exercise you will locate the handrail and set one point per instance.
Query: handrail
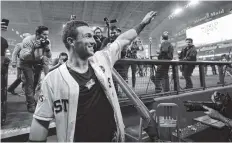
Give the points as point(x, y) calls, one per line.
point(175, 69)
point(172, 62)
point(150, 125)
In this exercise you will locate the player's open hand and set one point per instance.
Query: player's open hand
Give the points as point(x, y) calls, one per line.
point(150, 16)
point(212, 113)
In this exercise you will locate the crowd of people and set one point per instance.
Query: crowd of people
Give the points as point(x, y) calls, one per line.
point(85, 102)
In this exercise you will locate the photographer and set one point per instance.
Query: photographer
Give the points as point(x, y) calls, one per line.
point(33, 58)
point(63, 57)
point(166, 53)
point(98, 38)
point(114, 33)
point(216, 115)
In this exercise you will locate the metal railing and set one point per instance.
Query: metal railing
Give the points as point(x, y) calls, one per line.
point(143, 87)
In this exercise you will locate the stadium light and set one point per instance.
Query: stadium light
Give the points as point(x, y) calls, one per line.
point(94, 27)
point(177, 11)
point(193, 2)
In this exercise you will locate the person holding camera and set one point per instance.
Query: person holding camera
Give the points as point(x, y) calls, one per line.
point(189, 53)
point(114, 33)
point(165, 53)
point(33, 58)
point(216, 115)
point(98, 38)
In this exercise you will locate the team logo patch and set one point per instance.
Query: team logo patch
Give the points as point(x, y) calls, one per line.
point(103, 69)
point(41, 98)
point(90, 83)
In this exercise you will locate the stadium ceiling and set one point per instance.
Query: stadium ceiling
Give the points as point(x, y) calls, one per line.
point(24, 16)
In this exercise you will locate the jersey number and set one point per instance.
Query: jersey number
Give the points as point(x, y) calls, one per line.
point(109, 82)
point(60, 105)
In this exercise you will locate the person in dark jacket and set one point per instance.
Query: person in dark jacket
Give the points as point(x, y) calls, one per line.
point(189, 53)
point(166, 53)
point(132, 53)
point(114, 33)
point(4, 79)
point(99, 38)
point(214, 71)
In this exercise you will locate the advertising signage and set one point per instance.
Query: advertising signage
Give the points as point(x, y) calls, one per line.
point(211, 32)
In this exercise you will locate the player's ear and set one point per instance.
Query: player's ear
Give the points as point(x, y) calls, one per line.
point(70, 41)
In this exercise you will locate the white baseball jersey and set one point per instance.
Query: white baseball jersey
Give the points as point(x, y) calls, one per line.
point(60, 93)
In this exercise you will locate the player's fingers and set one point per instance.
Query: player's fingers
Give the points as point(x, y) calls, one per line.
point(205, 107)
point(206, 112)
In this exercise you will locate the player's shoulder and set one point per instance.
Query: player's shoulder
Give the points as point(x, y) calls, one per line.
point(28, 38)
point(51, 76)
point(55, 61)
point(19, 44)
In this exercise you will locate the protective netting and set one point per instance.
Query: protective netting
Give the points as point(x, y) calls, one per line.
point(153, 79)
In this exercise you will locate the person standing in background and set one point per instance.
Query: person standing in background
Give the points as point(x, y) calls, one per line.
point(132, 53)
point(16, 63)
point(4, 79)
point(36, 49)
point(214, 71)
point(189, 53)
point(99, 38)
point(166, 53)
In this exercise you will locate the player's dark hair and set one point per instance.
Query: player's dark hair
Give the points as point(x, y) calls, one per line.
point(70, 30)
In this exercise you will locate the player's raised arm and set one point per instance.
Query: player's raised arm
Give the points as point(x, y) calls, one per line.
point(127, 37)
point(114, 51)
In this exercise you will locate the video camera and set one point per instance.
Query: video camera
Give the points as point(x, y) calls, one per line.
point(4, 24)
point(44, 42)
point(219, 102)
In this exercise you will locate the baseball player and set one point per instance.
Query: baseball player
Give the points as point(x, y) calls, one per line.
point(80, 94)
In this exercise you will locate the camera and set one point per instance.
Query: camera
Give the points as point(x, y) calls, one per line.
point(4, 24)
point(198, 106)
point(64, 60)
point(44, 42)
point(219, 102)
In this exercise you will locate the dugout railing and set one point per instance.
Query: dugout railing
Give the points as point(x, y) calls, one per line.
point(146, 68)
